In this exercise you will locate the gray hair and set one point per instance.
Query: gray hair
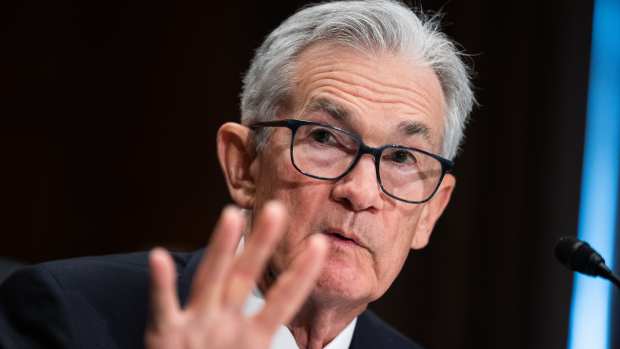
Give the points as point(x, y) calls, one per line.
point(375, 26)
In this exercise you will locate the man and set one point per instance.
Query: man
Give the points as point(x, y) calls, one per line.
point(351, 114)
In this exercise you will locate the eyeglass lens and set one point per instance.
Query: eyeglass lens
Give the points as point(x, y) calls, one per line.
point(328, 153)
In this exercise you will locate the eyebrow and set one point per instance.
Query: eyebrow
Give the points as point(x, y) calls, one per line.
point(330, 108)
point(415, 128)
point(341, 114)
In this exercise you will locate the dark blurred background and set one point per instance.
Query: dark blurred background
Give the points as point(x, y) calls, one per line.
point(107, 145)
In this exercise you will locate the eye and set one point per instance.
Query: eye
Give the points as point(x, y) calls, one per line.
point(401, 156)
point(322, 135)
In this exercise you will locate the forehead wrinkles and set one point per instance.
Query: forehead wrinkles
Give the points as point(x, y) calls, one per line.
point(384, 79)
point(373, 90)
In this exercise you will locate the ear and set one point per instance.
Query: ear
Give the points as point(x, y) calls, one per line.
point(432, 211)
point(236, 157)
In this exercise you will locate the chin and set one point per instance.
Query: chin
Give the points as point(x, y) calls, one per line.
point(342, 284)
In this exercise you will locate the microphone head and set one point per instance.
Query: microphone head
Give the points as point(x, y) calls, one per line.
point(579, 256)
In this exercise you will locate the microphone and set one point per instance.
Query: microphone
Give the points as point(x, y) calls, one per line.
point(579, 256)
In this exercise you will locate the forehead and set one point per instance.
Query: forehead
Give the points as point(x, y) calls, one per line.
point(378, 93)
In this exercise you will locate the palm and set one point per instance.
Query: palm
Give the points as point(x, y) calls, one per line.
point(213, 317)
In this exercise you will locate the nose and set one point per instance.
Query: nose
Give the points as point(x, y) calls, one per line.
point(359, 190)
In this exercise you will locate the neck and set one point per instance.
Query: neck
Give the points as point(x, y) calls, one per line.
point(319, 321)
point(314, 327)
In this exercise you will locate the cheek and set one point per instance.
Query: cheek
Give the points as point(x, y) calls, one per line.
point(274, 173)
point(302, 196)
point(394, 246)
point(280, 180)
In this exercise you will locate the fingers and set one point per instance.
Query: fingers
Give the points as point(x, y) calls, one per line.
point(266, 233)
point(164, 304)
point(291, 289)
point(216, 263)
point(225, 280)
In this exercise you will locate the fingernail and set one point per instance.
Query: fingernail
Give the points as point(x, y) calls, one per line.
point(157, 253)
point(156, 250)
point(230, 210)
point(274, 206)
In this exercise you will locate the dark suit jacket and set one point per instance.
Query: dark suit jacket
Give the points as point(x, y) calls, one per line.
point(102, 302)
point(7, 266)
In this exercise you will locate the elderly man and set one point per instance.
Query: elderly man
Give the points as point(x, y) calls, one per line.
point(351, 114)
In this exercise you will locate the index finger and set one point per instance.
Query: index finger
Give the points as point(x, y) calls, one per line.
point(292, 288)
point(266, 232)
point(210, 275)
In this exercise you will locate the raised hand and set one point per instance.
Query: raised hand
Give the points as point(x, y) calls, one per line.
point(213, 316)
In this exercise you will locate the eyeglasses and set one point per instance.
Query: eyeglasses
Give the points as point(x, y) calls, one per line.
point(329, 153)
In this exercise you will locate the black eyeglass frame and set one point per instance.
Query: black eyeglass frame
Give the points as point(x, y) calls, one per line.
point(363, 148)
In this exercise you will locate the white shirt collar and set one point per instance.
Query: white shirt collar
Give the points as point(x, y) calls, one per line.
point(283, 338)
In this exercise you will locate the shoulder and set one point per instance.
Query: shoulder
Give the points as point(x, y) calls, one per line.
point(129, 262)
point(98, 300)
point(93, 278)
point(108, 271)
point(372, 332)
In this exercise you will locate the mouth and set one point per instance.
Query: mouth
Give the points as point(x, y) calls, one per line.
point(341, 238)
